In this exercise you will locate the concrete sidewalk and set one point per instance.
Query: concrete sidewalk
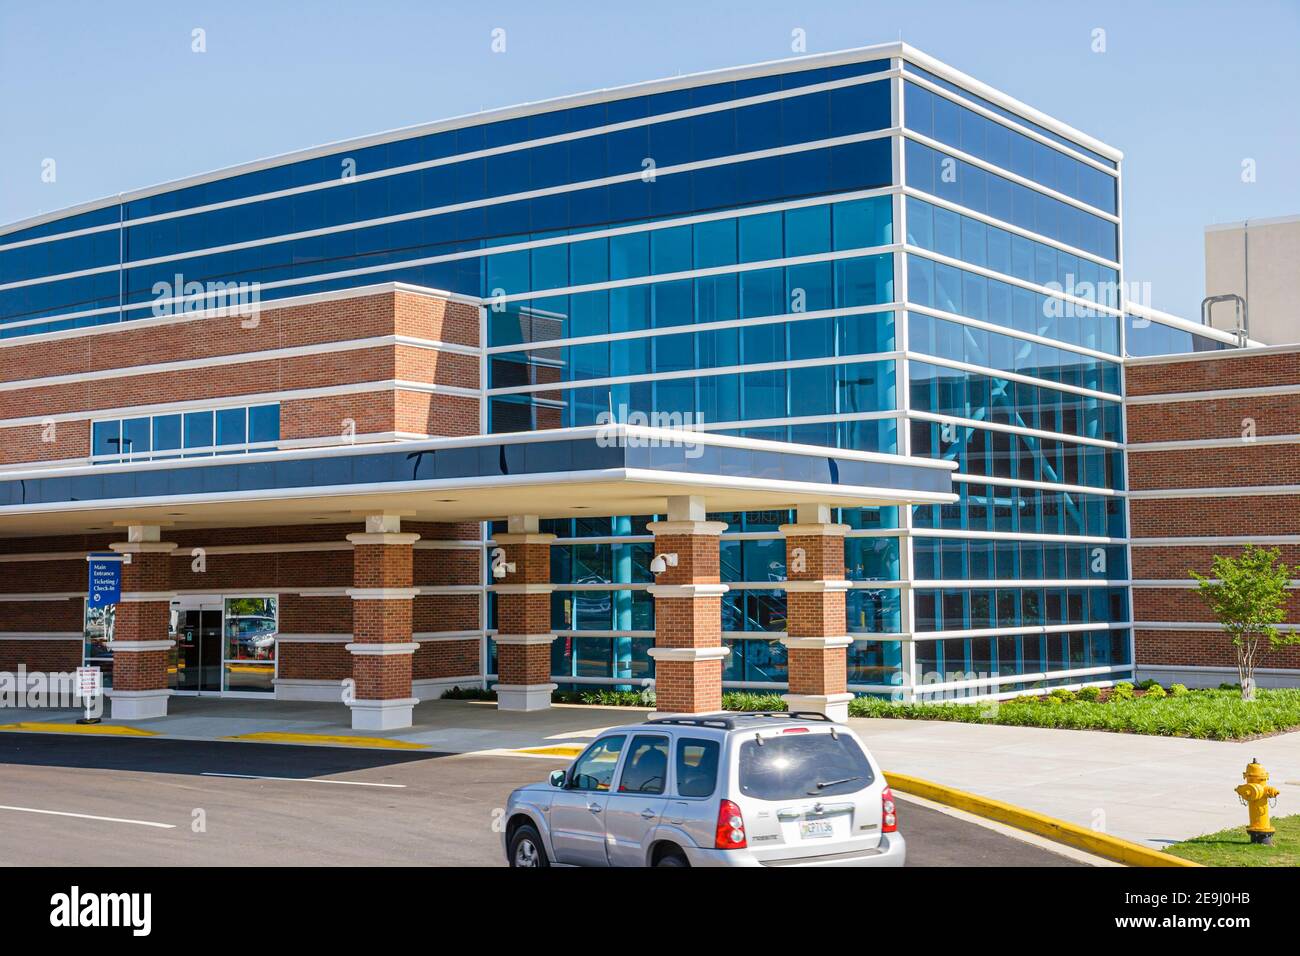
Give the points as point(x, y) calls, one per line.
point(1153, 790)
point(444, 726)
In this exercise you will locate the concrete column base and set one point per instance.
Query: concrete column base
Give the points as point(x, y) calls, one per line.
point(382, 714)
point(137, 704)
point(523, 696)
point(834, 706)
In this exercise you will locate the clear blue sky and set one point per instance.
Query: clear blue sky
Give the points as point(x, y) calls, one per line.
point(114, 94)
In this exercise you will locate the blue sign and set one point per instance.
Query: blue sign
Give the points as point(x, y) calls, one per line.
point(105, 585)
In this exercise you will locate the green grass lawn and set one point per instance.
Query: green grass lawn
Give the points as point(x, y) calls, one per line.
point(1233, 847)
point(1204, 714)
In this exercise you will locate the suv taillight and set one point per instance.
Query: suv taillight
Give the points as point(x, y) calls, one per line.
point(731, 827)
point(888, 812)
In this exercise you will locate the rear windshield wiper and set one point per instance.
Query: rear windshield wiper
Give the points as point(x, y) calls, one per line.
point(823, 784)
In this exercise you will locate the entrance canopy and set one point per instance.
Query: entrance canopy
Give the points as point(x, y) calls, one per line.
point(590, 471)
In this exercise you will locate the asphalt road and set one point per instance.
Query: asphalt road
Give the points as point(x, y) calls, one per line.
point(101, 801)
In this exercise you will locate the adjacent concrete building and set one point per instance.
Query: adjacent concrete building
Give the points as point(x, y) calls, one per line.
point(1259, 260)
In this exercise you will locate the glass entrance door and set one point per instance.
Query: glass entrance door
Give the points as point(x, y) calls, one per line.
point(198, 650)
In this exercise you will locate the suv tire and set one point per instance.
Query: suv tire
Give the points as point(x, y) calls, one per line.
point(526, 848)
point(672, 858)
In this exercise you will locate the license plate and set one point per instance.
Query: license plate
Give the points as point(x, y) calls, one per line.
point(816, 829)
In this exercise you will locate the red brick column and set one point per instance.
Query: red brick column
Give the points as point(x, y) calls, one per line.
point(816, 624)
point(381, 645)
point(448, 621)
point(688, 651)
point(140, 627)
point(521, 566)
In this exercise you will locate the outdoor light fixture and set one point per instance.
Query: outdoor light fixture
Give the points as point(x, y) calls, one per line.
point(662, 563)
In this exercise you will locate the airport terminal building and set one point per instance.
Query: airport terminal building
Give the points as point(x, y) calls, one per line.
point(806, 376)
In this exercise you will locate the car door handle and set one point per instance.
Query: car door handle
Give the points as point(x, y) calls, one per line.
point(594, 807)
point(648, 813)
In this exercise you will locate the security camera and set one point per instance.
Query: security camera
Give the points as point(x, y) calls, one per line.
point(662, 563)
point(500, 566)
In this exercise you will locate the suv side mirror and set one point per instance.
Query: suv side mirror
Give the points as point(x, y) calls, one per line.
point(557, 778)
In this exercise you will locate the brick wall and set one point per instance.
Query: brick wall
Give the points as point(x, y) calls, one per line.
point(1241, 464)
point(45, 655)
point(135, 345)
point(277, 572)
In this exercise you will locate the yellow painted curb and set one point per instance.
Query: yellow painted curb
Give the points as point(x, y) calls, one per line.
point(1081, 838)
point(274, 737)
point(112, 729)
point(557, 750)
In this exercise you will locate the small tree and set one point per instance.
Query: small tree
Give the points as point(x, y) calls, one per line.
point(1248, 596)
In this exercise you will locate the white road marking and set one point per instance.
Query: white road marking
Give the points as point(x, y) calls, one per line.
point(346, 783)
point(91, 816)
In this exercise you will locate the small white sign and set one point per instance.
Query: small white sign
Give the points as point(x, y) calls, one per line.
point(89, 682)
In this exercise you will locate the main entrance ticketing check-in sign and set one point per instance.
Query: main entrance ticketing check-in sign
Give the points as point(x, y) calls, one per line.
point(105, 581)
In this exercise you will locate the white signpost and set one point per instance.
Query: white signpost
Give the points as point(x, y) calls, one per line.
point(90, 685)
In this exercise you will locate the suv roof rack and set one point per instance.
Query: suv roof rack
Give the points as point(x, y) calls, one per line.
point(729, 721)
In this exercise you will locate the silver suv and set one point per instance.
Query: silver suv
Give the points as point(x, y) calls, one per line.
point(730, 789)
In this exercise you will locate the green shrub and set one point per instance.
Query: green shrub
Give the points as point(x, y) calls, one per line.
point(1155, 691)
point(1090, 694)
point(1064, 696)
point(1122, 691)
point(1178, 690)
point(748, 700)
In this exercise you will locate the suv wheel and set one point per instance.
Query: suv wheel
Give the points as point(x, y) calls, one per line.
point(526, 848)
point(671, 858)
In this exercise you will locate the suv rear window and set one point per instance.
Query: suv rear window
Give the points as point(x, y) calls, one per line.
point(797, 766)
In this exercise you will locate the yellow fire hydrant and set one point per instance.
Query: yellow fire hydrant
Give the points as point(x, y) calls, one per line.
point(1256, 793)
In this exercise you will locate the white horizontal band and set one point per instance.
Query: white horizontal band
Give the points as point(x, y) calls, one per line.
point(522, 688)
point(433, 636)
point(397, 703)
point(689, 653)
point(523, 537)
point(813, 530)
point(381, 594)
point(523, 639)
point(147, 597)
point(821, 585)
point(687, 590)
point(381, 650)
point(41, 636)
point(522, 588)
point(710, 528)
point(383, 537)
point(139, 694)
point(798, 702)
point(817, 643)
point(143, 547)
point(136, 646)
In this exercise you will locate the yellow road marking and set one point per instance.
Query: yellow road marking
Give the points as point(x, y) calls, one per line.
point(275, 737)
point(552, 750)
point(117, 730)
